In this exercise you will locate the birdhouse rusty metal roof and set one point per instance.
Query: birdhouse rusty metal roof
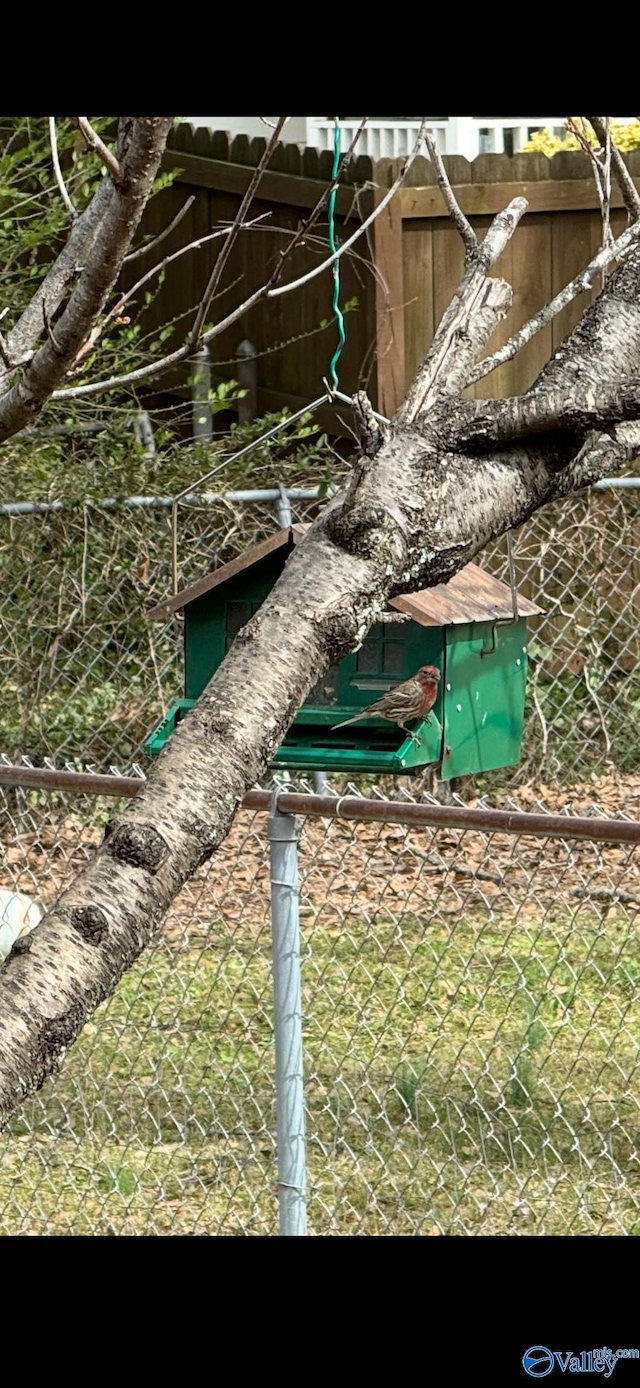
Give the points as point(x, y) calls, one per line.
point(473, 595)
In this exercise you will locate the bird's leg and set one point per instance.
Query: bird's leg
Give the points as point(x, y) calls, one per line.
point(414, 736)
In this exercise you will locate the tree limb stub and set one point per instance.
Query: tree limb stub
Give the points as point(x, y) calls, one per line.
point(422, 508)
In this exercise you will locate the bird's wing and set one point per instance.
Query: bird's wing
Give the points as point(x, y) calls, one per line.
point(404, 697)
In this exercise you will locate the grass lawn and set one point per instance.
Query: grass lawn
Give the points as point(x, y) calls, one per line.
point(471, 1066)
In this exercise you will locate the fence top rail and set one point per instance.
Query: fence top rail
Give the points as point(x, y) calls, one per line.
point(246, 497)
point(353, 807)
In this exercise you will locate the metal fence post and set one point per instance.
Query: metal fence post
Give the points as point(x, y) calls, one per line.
point(282, 508)
point(200, 387)
point(248, 380)
point(287, 1010)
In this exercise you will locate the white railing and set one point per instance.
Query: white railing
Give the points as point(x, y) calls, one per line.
point(468, 135)
point(381, 139)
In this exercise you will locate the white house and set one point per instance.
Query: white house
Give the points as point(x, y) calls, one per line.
point(393, 137)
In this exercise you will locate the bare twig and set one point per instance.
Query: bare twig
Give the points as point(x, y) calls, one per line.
point(579, 285)
point(346, 245)
point(283, 424)
point(300, 234)
point(455, 211)
point(308, 222)
point(223, 257)
point(58, 171)
point(601, 164)
point(609, 895)
point(98, 146)
point(348, 400)
point(605, 197)
point(459, 869)
point(123, 299)
point(151, 245)
point(266, 291)
point(630, 195)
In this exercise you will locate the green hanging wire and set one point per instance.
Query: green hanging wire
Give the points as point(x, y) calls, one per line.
point(336, 264)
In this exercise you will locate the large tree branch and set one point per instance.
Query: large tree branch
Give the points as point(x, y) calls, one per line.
point(491, 422)
point(64, 271)
point(140, 146)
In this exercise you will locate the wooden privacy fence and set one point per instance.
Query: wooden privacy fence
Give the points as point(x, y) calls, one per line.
point(402, 273)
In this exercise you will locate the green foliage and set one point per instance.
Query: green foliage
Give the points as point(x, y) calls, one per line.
point(406, 1086)
point(33, 218)
point(520, 1089)
point(78, 468)
point(626, 135)
point(120, 1179)
point(34, 224)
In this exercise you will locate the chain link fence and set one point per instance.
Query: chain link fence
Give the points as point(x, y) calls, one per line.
point(86, 676)
point(579, 560)
point(468, 998)
point(470, 1030)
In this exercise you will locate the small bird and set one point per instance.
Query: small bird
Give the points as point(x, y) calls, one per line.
point(411, 699)
point(18, 916)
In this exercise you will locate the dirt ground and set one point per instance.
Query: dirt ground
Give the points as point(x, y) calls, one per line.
point(347, 866)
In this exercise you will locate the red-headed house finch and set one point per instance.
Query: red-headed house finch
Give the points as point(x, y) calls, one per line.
point(411, 699)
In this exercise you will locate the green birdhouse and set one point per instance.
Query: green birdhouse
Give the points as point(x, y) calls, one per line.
point(466, 627)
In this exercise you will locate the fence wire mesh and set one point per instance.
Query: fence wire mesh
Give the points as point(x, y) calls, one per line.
point(86, 675)
point(470, 1022)
point(580, 560)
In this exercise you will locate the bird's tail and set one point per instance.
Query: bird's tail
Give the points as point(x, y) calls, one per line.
point(356, 719)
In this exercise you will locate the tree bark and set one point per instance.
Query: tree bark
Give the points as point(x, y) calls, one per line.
point(411, 516)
